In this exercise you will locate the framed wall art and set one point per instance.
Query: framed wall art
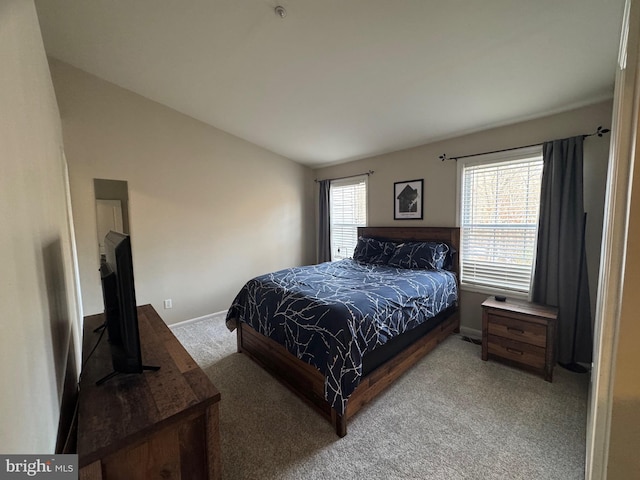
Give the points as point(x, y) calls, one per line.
point(408, 200)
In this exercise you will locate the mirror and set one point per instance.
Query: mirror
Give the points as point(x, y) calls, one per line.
point(112, 208)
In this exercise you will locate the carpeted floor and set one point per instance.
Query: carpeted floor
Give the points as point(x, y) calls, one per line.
point(452, 416)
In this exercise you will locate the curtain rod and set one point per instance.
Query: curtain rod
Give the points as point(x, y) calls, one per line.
point(370, 172)
point(599, 132)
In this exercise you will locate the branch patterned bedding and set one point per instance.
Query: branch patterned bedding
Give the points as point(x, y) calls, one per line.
point(330, 315)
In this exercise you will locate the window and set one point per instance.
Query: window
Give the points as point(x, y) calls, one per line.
point(499, 204)
point(348, 211)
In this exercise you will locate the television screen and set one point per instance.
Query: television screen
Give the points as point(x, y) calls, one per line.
point(120, 309)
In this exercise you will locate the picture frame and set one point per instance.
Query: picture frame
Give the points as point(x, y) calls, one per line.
point(408, 199)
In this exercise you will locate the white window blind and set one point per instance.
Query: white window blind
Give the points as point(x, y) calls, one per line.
point(348, 211)
point(499, 219)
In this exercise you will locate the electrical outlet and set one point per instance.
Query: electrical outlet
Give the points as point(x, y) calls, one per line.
point(168, 303)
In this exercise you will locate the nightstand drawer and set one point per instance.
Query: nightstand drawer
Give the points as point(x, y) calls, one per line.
point(523, 353)
point(519, 330)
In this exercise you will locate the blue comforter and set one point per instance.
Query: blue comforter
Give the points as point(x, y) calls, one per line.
point(330, 315)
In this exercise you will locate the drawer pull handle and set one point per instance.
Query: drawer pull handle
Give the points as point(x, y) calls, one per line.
point(515, 330)
point(513, 350)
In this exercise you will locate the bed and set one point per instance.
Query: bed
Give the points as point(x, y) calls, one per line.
point(337, 334)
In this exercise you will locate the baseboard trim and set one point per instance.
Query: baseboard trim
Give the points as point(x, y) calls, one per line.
point(471, 333)
point(197, 319)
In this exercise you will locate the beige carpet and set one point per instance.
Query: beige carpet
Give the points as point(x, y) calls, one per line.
point(452, 416)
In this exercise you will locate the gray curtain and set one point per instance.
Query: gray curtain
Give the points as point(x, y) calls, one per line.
point(324, 229)
point(560, 277)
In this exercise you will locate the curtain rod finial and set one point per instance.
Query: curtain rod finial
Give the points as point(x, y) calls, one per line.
point(443, 157)
point(599, 132)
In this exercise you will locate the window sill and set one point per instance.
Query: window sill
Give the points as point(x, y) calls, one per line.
point(493, 291)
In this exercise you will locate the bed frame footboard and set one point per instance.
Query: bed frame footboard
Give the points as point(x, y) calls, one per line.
point(308, 383)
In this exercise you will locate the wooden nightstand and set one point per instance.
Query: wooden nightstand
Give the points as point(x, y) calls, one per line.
point(520, 333)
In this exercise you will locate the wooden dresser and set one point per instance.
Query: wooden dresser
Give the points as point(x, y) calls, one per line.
point(153, 425)
point(520, 333)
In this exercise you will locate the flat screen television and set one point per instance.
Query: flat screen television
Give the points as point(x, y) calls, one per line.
point(120, 308)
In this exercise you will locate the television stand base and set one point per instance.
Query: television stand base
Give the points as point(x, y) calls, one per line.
point(113, 374)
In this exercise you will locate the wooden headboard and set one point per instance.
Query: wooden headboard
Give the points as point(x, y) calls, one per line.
point(448, 235)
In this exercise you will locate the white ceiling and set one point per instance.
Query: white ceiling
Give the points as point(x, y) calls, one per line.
point(337, 80)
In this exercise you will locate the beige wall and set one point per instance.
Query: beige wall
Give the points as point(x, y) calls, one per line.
point(38, 316)
point(207, 210)
point(440, 179)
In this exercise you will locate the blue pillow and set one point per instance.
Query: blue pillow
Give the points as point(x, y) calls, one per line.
point(425, 255)
point(370, 250)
